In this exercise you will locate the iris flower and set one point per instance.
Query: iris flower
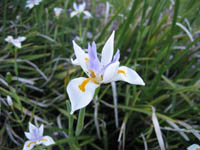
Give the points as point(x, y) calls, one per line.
point(16, 42)
point(81, 90)
point(31, 3)
point(35, 136)
point(57, 11)
point(79, 9)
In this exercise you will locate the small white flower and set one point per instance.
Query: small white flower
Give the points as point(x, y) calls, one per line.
point(9, 101)
point(194, 147)
point(57, 11)
point(81, 90)
point(31, 3)
point(35, 136)
point(79, 9)
point(16, 42)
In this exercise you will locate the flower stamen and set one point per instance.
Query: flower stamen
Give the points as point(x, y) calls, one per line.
point(85, 82)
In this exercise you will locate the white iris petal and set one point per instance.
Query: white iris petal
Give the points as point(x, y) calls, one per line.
point(80, 96)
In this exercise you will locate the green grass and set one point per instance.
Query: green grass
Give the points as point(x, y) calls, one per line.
point(147, 35)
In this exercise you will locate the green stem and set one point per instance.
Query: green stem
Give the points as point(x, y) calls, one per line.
point(56, 31)
point(70, 122)
point(80, 28)
point(15, 62)
point(80, 123)
point(73, 142)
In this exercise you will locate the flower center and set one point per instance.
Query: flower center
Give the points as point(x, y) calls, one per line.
point(85, 82)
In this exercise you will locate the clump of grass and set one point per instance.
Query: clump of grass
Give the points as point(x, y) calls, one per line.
point(159, 39)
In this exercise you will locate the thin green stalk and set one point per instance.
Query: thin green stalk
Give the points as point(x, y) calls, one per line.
point(16, 65)
point(80, 28)
point(56, 31)
point(15, 59)
point(71, 120)
point(80, 123)
point(73, 142)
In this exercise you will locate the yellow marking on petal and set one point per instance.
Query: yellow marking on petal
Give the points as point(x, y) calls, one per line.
point(121, 71)
point(93, 74)
point(31, 144)
point(197, 148)
point(44, 140)
point(86, 58)
point(85, 82)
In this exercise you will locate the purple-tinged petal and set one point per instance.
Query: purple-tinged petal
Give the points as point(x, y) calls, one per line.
point(116, 57)
point(35, 133)
point(94, 63)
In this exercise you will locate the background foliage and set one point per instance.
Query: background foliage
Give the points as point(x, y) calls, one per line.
point(151, 39)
